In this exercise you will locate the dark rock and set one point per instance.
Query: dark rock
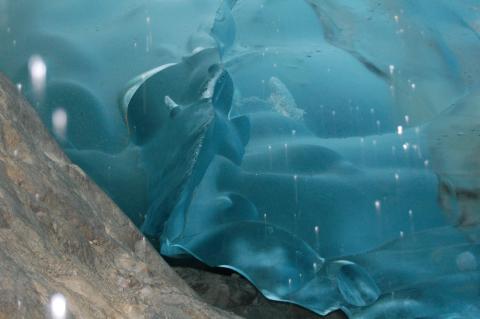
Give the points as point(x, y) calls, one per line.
point(230, 291)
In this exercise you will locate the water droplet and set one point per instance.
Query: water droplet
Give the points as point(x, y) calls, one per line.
point(399, 130)
point(378, 206)
point(58, 306)
point(38, 74)
point(59, 122)
point(391, 68)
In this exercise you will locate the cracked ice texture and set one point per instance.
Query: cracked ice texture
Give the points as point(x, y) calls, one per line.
point(303, 144)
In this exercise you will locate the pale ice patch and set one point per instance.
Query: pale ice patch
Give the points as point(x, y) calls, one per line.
point(283, 101)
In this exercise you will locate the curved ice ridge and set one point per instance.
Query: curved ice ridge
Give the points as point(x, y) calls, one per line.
point(248, 139)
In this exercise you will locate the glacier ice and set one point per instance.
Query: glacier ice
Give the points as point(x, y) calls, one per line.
point(326, 150)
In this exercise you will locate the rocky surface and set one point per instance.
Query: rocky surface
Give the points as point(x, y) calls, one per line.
point(229, 291)
point(59, 233)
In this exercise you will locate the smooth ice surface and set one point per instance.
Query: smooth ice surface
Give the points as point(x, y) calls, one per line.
point(325, 149)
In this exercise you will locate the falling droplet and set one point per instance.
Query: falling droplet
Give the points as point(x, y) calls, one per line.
point(58, 306)
point(265, 224)
point(378, 206)
point(38, 74)
point(391, 68)
point(400, 130)
point(270, 157)
point(285, 146)
point(295, 186)
point(59, 122)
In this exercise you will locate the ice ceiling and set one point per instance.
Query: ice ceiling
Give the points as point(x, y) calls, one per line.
point(325, 149)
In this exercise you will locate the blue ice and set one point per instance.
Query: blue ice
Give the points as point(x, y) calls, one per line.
point(326, 150)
